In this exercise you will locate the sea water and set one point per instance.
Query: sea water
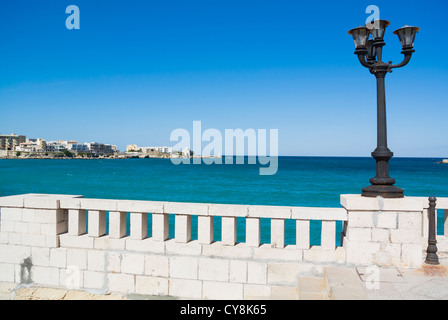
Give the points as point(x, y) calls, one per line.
point(300, 181)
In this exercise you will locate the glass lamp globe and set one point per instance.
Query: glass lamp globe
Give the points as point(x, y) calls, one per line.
point(407, 36)
point(360, 36)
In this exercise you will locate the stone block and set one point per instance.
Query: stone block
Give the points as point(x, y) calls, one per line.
point(58, 257)
point(360, 234)
point(41, 202)
point(405, 236)
point(40, 256)
point(227, 210)
point(361, 219)
point(14, 254)
point(183, 268)
point(12, 214)
point(12, 201)
point(45, 275)
point(380, 235)
point(387, 220)
point(410, 221)
point(69, 241)
point(277, 233)
point(139, 226)
point(317, 254)
point(156, 266)
point(147, 245)
point(21, 227)
point(319, 214)
point(35, 240)
point(140, 206)
point(216, 249)
point(151, 286)
point(361, 253)
point(288, 253)
point(192, 248)
point(359, 203)
point(52, 241)
point(117, 224)
point(278, 212)
point(94, 280)
point(133, 264)
point(77, 222)
point(160, 227)
point(205, 229)
point(186, 208)
point(97, 223)
point(328, 235)
point(50, 216)
point(282, 273)
point(7, 226)
point(7, 272)
point(186, 289)
point(98, 205)
point(256, 272)
point(253, 232)
point(108, 243)
point(52, 229)
point(222, 290)
point(303, 234)
point(182, 228)
point(71, 278)
point(257, 292)
point(122, 283)
point(213, 269)
point(28, 215)
point(96, 260)
point(238, 271)
point(77, 258)
point(113, 262)
point(228, 233)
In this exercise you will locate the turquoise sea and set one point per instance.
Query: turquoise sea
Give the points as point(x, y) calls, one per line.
point(300, 181)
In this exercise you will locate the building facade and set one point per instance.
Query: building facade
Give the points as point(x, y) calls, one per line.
point(10, 142)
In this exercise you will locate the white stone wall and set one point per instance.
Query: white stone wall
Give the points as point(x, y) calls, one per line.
point(384, 232)
point(44, 240)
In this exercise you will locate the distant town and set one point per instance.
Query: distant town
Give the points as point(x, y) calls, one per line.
point(19, 146)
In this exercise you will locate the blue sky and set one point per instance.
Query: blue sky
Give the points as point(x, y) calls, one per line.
point(136, 70)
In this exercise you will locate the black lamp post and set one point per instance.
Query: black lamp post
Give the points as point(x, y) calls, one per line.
point(370, 54)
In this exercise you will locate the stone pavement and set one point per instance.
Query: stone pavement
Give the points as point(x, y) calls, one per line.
point(426, 283)
point(336, 283)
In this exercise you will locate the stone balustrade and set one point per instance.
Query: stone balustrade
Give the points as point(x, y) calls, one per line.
point(124, 246)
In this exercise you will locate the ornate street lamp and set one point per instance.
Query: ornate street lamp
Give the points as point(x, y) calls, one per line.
point(370, 55)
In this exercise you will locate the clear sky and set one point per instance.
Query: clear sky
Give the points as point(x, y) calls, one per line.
point(136, 70)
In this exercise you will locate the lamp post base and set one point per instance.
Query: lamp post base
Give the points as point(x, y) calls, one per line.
point(385, 191)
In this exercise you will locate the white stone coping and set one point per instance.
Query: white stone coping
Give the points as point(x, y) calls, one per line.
point(76, 202)
point(356, 202)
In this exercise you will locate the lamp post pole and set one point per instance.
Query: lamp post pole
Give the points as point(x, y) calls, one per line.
point(370, 55)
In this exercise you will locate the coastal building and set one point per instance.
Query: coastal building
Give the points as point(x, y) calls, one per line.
point(77, 147)
point(10, 142)
point(56, 146)
point(32, 145)
point(148, 150)
point(74, 146)
point(132, 148)
point(186, 152)
point(101, 148)
point(164, 149)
